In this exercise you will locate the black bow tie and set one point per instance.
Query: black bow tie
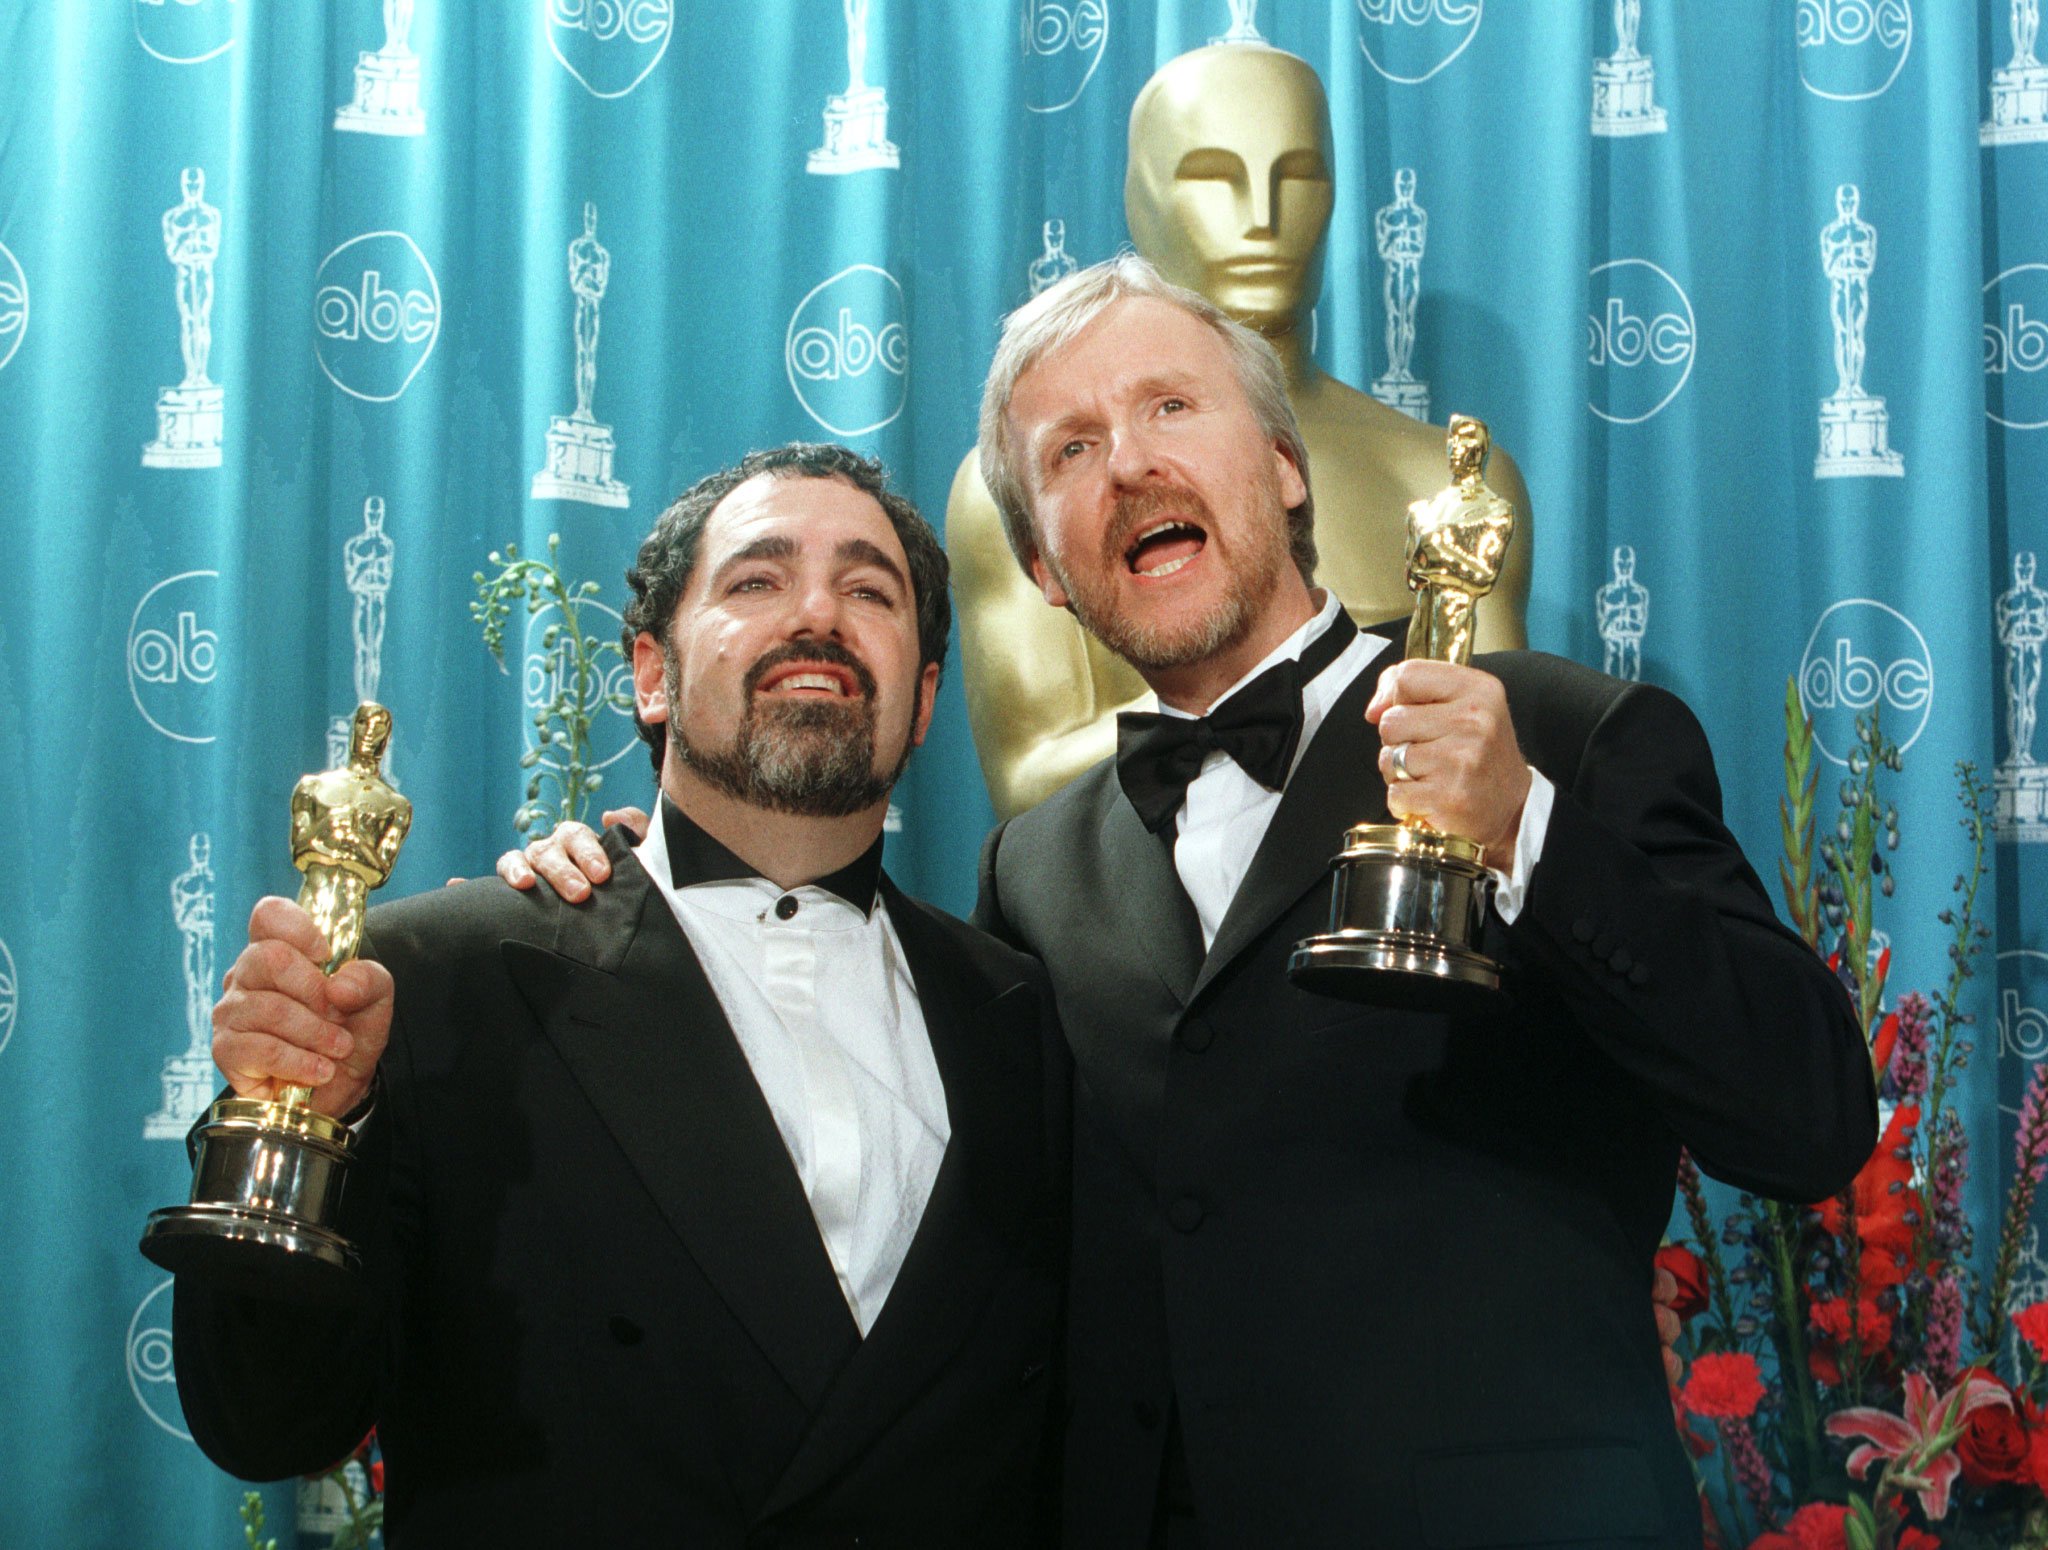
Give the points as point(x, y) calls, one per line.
point(1259, 726)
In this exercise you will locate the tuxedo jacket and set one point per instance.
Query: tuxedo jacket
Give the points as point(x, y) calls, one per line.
point(599, 1307)
point(1393, 1268)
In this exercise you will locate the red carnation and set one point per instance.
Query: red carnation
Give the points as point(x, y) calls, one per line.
point(1724, 1385)
point(1690, 1272)
point(2032, 1324)
point(1995, 1446)
point(1816, 1526)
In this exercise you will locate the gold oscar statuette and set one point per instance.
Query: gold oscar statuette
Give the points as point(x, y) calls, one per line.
point(1408, 902)
point(268, 1174)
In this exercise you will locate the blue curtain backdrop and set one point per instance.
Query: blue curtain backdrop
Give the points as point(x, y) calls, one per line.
point(364, 296)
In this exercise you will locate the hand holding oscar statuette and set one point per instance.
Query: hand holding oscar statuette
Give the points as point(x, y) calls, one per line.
point(268, 1174)
point(1408, 902)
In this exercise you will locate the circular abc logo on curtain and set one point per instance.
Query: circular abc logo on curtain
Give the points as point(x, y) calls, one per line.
point(546, 676)
point(1064, 41)
point(376, 315)
point(847, 351)
point(2016, 347)
point(10, 995)
point(1408, 41)
point(152, 1376)
point(2023, 1003)
point(1865, 656)
point(13, 305)
point(1850, 50)
point(1640, 340)
point(611, 46)
point(174, 655)
point(185, 32)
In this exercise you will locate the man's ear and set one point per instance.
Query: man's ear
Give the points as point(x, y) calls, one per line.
point(1047, 584)
point(1293, 488)
point(650, 691)
point(927, 699)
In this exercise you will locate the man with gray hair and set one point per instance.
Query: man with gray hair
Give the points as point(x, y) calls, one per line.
point(1297, 1221)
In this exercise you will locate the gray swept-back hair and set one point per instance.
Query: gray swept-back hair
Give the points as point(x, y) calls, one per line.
point(1054, 319)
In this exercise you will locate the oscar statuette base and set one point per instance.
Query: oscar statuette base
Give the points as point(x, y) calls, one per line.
point(1407, 908)
point(267, 1182)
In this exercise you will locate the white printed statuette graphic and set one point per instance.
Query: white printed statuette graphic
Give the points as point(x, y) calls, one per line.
point(387, 99)
point(188, 416)
point(1855, 430)
point(366, 561)
point(1852, 50)
point(1401, 230)
point(1624, 95)
point(189, 1077)
point(2019, 90)
point(1408, 41)
point(1244, 23)
point(1055, 263)
point(857, 119)
point(2019, 784)
point(13, 305)
point(1622, 608)
point(10, 995)
point(580, 449)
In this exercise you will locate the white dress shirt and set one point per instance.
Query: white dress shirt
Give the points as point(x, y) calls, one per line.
point(822, 1002)
point(1221, 824)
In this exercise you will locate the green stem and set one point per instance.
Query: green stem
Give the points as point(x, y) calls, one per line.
point(1789, 1335)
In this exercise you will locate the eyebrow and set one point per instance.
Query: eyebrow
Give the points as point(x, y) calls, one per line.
point(765, 548)
point(859, 551)
point(852, 551)
point(1059, 430)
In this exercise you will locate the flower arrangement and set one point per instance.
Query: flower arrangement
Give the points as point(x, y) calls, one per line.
point(573, 664)
point(1853, 1381)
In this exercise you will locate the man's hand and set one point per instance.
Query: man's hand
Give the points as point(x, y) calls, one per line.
point(1462, 770)
point(281, 1023)
point(1663, 1297)
point(570, 859)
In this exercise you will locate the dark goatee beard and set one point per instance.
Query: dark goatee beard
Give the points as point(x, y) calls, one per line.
point(810, 758)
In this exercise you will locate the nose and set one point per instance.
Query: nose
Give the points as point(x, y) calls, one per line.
point(1133, 459)
point(1262, 202)
point(816, 609)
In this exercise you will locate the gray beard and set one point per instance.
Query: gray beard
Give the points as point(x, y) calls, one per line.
point(810, 758)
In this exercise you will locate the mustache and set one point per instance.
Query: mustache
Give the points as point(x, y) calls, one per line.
point(1140, 508)
point(828, 651)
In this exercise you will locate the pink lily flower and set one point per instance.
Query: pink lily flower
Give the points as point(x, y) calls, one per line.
point(1922, 1441)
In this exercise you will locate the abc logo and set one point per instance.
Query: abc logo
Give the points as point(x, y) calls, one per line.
point(1063, 43)
point(1865, 656)
point(152, 1376)
point(185, 32)
point(1408, 41)
point(847, 351)
point(1640, 340)
point(611, 46)
point(543, 676)
point(2022, 1025)
point(377, 313)
point(13, 305)
point(10, 995)
point(2016, 347)
point(174, 657)
point(1850, 50)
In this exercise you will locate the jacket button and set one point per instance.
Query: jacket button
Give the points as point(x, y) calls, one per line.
point(1196, 1037)
point(1639, 976)
point(1603, 946)
point(1185, 1213)
point(1582, 929)
point(1621, 963)
point(1146, 1414)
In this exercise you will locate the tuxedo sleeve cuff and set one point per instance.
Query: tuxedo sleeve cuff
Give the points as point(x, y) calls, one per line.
point(1512, 886)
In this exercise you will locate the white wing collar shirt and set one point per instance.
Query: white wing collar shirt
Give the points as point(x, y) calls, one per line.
point(821, 1000)
point(1221, 824)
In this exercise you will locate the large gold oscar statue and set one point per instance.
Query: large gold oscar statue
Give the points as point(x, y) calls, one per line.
point(1229, 193)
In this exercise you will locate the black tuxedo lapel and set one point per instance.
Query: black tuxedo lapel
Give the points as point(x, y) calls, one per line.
point(1157, 917)
point(626, 1004)
point(988, 1056)
point(1337, 784)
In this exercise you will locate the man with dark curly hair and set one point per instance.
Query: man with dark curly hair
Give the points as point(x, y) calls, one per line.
point(731, 1206)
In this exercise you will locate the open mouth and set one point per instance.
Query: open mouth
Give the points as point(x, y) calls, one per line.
point(806, 680)
point(1164, 547)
